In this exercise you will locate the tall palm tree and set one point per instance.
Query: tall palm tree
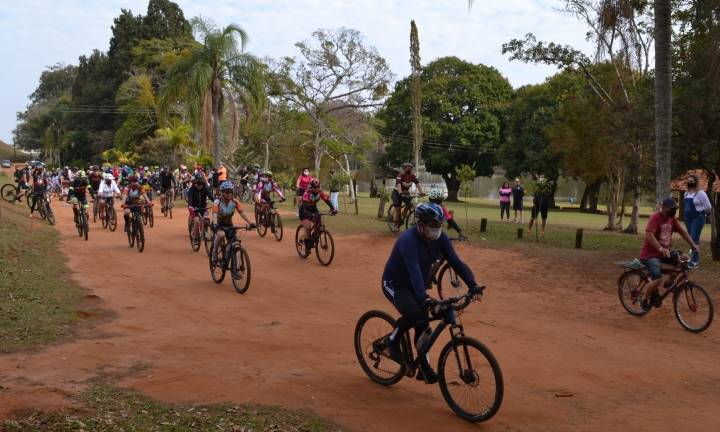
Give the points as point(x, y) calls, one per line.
point(201, 80)
point(663, 98)
point(179, 136)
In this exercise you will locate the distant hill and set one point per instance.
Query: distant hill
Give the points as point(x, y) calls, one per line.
point(7, 152)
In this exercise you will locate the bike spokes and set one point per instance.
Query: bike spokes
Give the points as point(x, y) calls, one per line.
point(693, 308)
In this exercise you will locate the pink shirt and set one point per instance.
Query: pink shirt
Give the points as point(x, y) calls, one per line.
point(505, 195)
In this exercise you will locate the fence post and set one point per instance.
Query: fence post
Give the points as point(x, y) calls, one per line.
point(520, 233)
point(483, 225)
point(578, 238)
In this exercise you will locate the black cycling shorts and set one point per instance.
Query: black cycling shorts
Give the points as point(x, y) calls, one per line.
point(398, 199)
point(542, 209)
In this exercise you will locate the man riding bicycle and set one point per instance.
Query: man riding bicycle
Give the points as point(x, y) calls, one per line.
point(407, 276)
point(656, 248)
point(308, 210)
point(198, 196)
point(401, 193)
point(77, 192)
point(264, 187)
point(94, 178)
point(107, 191)
point(222, 212)
point(132, 195)
point(39, 185)
point(167, 183)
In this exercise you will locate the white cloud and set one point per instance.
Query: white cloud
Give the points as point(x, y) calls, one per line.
point(38, 33)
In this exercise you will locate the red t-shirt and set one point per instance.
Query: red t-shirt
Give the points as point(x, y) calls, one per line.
point(662, 228)
point(304, 181)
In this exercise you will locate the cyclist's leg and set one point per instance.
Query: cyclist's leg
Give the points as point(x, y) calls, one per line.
point(544, 215)
point(395, 197)
point(219, 235)
point(126, 216)
point(35, 197)
point(653, 266)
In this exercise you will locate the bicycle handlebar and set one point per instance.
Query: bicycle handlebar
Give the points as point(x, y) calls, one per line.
point(458, 303)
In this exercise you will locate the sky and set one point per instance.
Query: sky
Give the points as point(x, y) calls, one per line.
point(39, 33)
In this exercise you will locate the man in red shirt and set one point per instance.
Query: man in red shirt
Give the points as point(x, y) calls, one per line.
point(656, 247)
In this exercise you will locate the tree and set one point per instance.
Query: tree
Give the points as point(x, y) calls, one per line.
point(136, 99)
point(464, 119)
point(202, 79)
point(663, 99)
point(336, 71)
point(415, 92)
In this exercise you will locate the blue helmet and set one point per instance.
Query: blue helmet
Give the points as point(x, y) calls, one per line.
point(429, 212)
point(226, 185)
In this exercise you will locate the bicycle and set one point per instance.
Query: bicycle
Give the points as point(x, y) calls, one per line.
point(168, 204)
point(82, 222)
point(135, 230)
point(43, 206)
point(231, 255)
point(407, 215)
point(465, 367)
point(243, 191)
point(147, 216)
point(10, 193)
point(108, 216)
point(199, 234)
point(95, 203)
point(322, 241)
point(267, 216)
point(446, 279)
point(692, 305)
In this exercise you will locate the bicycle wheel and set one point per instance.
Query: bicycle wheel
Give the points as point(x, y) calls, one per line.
point(391, 221)
point(299, 244)
point(245, 197)
point(194, 240)
point(470, 379)
point(450, 284)
point(131, 232)
point(240, 269)
point(95, 210)
point(144, 216)
point(41, 209)
point(112, 221)
point(217, 270)
point(207, 238)
point(693, 308)
point(104, 219)
point(78, 224)
point(277, 227)
point(151, 217)
point(371, 352)
point(28, 199)
point(139, 236)
point(261, 224)
point(631, 290)
point(170, 207)
point(410, 219)
point(325, 248)
point(8, 193)
point(49, 213)
point(85, 225)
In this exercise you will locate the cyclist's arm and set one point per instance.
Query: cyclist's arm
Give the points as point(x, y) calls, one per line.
point(455, 262)
point(398, 186)
point(278, 191)
point(419, 187)
point(408, 252)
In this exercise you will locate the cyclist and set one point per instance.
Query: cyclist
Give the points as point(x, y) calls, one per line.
point(77, 192)
point(132, 195)
point(222, 212)
point(264, 187)
point(167, 183)
point(436, 196)
point(308, 210)
point(198, 195)
point(22, 178)
point(39, 185)
point(407, 276)
point(656, 248)
point(94, 178)
point(401, 193)
point(107, 191)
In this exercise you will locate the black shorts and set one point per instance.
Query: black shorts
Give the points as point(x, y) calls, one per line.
point(398, 199)
point(542, 209)
point(300, 192)
point(307, 212)
point(518, 204)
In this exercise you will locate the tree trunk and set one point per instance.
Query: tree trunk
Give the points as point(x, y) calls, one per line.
point(373, 188)
point(353, 195)
point(663, 99)
point(453, 185)
point(590, 197)
point(614, 186)
point(318, 152)
point(217, 136)
point(632, 227)
point(267, 155)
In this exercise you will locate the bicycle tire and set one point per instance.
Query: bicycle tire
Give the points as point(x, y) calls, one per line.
point(325, 242)
point(140, 236)
point(445, 380)
point(299, 246)
point(95, 210)
point(277, 227)
point(151, 217)
point(131, 232)
point(395, 371)
point(9, 192)
point(410, 218)
point(170, 211)
point(207, 238)
point(194, 242)
point(453, 286)
point(631, 294)
point(696, 292)
point(41, 210)
point(28, 198)
point(49, 215)
point(220, 267)
point(390, 219)
point(240, 274)
point(105, 219)
point(261, 225)
point(112, 222)
point(85, 226)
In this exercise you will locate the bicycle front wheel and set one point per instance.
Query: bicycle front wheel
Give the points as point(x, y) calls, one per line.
point(112, 221)
point(300, 244)
point(8, 193)
point(631, 290)
point(140, 237)
point(470, 379)
point(372, 354)
point(410, 219)
point(325, 248)
point(207, 238)
point(693, 308)
point(262, 224)
point(217, 268)
point(240, 269)
point(450, 284)
point(85, 227)
point(391, 221)
point(277, 227)
point(49, 214)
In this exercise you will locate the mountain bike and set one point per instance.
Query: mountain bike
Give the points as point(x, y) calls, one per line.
point(231, 255)
point(407, 215)
point(10, 194)
point(43, 206)
point(135, 230)
point(470, 378)
point(168, 204)
point(267, 216)
point(107, 213)
point(243, 191)
point(199, 231)
point(147, 216)
point(82, 220)
point(321, 239)
point(446, 279)
point(692, 305)
point(96, 205)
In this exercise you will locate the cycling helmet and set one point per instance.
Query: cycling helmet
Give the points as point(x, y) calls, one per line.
point(40, 165)
point(132, 178)
point(429, 212)
point(268, 174)
point(109, 176)
point(436, 195)
point(81, 174)
point(314, 184)
point(408, 164)
point(226, 185)
point(198, 178)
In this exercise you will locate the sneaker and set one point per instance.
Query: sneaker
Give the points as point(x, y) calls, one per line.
point(693, 265)
point(427, 374)
point(645, 305)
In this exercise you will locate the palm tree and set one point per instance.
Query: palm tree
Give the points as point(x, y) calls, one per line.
point(179, 137)
point(201, 80)
point(663, 98)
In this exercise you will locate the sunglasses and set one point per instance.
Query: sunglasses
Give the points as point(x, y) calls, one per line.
point(227, 191)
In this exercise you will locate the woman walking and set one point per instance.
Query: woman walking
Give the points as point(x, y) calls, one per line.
point(697, 206)
point(505, 193)
point(301, 184)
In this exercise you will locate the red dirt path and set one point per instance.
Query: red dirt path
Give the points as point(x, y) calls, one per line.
point(179, 337)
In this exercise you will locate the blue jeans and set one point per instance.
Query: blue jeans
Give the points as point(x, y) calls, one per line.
point(695, 227)
point(654, 266)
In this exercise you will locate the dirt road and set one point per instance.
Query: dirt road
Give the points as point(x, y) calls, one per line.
point(553, 325)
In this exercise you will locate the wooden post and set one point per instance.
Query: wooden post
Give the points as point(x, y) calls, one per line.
point(483, 225)
point(520, 233)
point(578, 238)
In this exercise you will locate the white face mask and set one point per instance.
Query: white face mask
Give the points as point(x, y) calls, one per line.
point(433, 233)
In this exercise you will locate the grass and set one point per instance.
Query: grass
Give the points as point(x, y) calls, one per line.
point(113, 409)
point(37, 300)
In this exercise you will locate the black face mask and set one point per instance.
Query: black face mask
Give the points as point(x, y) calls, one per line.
point(108, 182)
point(671, 213)
point(691, 185)
point(408, 170)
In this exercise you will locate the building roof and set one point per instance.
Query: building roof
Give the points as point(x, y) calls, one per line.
point(680, 183)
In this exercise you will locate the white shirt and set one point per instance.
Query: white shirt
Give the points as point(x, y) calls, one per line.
point(106, 191)
point(700, 200)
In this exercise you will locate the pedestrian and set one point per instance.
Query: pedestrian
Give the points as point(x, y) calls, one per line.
point(696, 208)
point(505, 193)
point(334, 186)
point(518, 193)
point(541, 202)
point(301, 184)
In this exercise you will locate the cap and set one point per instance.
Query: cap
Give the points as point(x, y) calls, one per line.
point(670, 203)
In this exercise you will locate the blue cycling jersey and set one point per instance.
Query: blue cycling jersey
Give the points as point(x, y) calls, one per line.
point(411, 260)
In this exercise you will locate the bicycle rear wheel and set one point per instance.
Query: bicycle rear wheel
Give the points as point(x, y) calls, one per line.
point(450, 284)
point(277, 226)
point(240, 269)
point(8, 193)
point(325, 248)
point(631, 290)
point(391, 221)
point(470, 379)
point(299, 244)
point(693, 308)
point(372, 354)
